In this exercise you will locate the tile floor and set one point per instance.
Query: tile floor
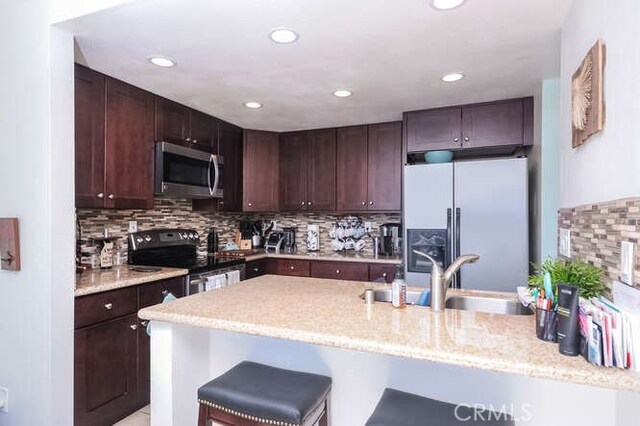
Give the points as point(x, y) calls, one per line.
point(139, 418)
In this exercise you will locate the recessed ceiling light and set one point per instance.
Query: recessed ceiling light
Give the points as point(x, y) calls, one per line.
point(446, 4)
point(342, 93)
point(253, 105)
point(283, 35)
point(162, 61)
point(453, 77)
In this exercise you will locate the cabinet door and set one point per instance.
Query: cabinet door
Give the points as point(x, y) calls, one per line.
point(129, 146)
point(172, 121)
point(433, 129)
point(351, 173)
point(294, 171)
point(230, 147)
point(321, 177)
point(105, 371)
point(89, 138)
point(350, 271)
point(494, 124)
point(148, 295)
point(260, 171)
point(385, 167)
point(204, 132)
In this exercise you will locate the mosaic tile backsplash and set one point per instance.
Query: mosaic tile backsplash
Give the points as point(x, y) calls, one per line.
point(172, 213)
point(597, 232)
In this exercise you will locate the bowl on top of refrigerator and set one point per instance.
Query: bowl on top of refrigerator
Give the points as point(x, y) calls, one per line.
point(436, 157)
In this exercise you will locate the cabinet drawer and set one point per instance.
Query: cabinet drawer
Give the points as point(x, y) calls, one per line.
point(378, 270)
point(340, 270)
point(153, 293)
point(296, 268)
point(256, 268)
point(105, 306)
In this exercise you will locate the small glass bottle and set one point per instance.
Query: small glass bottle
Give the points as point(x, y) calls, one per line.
point(399, 289)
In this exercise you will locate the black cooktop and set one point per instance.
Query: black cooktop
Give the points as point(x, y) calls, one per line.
point(197, 265)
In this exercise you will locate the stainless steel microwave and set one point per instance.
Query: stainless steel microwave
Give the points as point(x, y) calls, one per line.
point(187, 173)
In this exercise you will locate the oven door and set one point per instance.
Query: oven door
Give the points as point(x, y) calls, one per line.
point(187, 173)
point(206, 281)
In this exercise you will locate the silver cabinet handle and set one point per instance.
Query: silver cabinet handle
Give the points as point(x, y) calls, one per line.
point(302, 204)
point(466, 138)
point(364, 203)
point(370, 203)
point(134, 326)
point(188, 139)
point(195, 141)
point(249, 204)
point(456, 140)
point(100, 195)
point(292, 267)
point(165, 292)
point(256, 269)
point(337, 271)
point(109, 306)
point(110, 196)
point(144, 323)
point(309, 203)
point(384, 275)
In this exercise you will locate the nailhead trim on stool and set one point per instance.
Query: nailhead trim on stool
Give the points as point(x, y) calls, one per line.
point(246, 416)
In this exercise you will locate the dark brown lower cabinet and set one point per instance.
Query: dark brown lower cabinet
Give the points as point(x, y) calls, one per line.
point(112, 351)
point(256, 268)
point(294, 268)
point(350, 271)
point(106, 376)
point(381, 270)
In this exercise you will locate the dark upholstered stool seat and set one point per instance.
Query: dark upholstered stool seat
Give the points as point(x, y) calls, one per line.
point(267, 394)
point(397, 408)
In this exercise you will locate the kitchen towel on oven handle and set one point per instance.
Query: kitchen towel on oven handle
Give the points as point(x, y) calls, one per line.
point(169, 297)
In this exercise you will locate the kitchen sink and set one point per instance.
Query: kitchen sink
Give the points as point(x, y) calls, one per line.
point(487, 304)
point(385, 296)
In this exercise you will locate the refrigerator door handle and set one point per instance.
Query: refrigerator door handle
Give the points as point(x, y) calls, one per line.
point(448, 248)
point(459, 273)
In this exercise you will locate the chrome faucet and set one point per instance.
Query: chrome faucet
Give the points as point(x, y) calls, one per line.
point(440, 280)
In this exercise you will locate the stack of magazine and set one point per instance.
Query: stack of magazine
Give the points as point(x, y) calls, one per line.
point(611, 334)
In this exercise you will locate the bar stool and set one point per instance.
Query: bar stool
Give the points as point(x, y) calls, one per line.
point(397, 408)
point(252, 394)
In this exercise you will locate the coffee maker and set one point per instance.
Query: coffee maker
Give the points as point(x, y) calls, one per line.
point(390, 239)
point(289, 243)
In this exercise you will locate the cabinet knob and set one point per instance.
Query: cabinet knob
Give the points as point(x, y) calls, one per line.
point(100, 195)
point(364, 203)
point(384, 275)
point(110, 196)
point(165, 293)
point(370, 203)
point(134, 326)
point(144, 323)
point(188, 139)
point(309, 203)
point(256, 269)
point(222, 203)
point(456, 140)
point(292, 267)
point(302, 204)
point(466, 138)
point(195, 141)
point(337, 271)
point(249, 204)
point(109, 306)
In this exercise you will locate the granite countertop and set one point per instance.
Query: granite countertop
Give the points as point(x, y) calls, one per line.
point(332, 256)
point(330, 312)
point(97, 281)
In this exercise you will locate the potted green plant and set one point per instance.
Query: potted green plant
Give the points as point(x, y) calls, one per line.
point(586, 277)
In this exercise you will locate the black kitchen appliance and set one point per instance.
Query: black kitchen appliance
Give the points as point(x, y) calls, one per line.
point(289, 243)
point(274, 242)
point(178, 248)
point(212, 241)
point(390, 239)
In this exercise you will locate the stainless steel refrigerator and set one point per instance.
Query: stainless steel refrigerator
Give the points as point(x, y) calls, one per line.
point(465, 207)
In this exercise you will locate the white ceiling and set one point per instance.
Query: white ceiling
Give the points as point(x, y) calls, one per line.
point(390, 53)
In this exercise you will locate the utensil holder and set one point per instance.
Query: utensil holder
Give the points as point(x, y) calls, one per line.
point(547, 325)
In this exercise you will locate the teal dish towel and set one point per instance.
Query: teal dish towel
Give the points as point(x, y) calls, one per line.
point(168, 298)
point(425, 298)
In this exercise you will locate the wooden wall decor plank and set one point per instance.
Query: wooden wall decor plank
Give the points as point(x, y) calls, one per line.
point(9, 244)
point(593, 88)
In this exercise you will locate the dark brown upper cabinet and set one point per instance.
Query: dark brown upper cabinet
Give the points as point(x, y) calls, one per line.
point(260, 171)
point(488, 125)
point(89, 138)
point(182, 125)
point(308, 170)
point(369, 168)
point(113, 143)
point(230, 148)
point(129, 146)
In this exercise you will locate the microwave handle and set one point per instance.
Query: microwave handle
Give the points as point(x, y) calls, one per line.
point(216, 181)
point(209, 175)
